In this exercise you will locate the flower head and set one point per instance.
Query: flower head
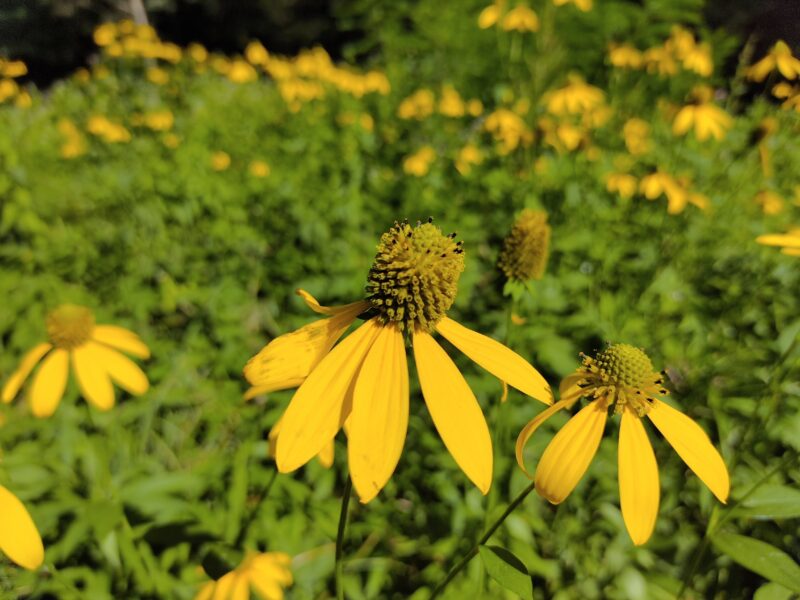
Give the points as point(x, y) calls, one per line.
point(707, 119)
point(19, 538)
point(621, 380)
point(778, 58)
point(94, 353)
point(575, 97)
point(788, 242)
point(267, 574)
point(520, 18)
point(526, 247)
point(622, 184)
point(363, 380)
point(625, 57)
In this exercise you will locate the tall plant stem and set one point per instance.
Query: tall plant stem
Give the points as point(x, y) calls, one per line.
point(339, 556)
point(484, 538)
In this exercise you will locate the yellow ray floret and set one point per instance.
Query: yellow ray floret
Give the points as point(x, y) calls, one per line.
point(621, 379)
point(266, 574)
point(19, 538)
point(95, 352)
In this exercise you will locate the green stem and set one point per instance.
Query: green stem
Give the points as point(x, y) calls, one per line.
point(484, 538)
point(339, 564)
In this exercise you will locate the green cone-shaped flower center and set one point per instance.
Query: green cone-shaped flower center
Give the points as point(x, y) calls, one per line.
point(69, 326)
point(414, 279)
point(624, 364)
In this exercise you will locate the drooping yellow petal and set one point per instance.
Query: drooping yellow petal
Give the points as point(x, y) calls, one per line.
point(532, 426)
point(241, 588)
point(287, 360)
point(206, 592)
point(121, 339)
point(265, 586)
point(18, 377)
point(638, 478)
point(779, 239)
point(311, 302)
point(500, 361)
point(49, 383)
point(379, 419)
point(122, 370)
point(693, 446)
point(19, 538)
point(224, 586)
point(318, 408)
point(92, 376)
point(325, 455)
point(270, 573)
point(568, 455)
point(683, 122)
point(454, 410)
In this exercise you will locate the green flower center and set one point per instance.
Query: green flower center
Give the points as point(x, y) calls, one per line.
point(623, 364)
point(414, 278)
point(525, 250)
point(69, 326)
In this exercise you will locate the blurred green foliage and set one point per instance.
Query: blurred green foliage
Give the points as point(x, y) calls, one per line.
point(201, 258)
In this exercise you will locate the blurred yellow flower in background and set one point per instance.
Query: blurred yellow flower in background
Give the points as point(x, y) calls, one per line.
point(625, 57)
point(770, 202)
point(789, 93)
point(107, 130)
point(74, 143)
point(526, 248)
point(468, 156)
point(256, 54)
point(19, 539)
point(575, 97)
point(266, 574)
point(259, 168)
point(621, 378)
point(706, 119)
point(520, 18)
point(157, 75)
point(241, 72)
point(508, 128)
point(637, 136)
point(418, 105)
point(582, 5)
point(364, 379)
point(451, 104)
point(621, 183)
point(788, 242)
point(13, 68)
point(419, 163)
point(161, 120)
point(220, 160)
point(778, 58)
point(94, 353)
point(491, 14)
point(197, 52)
point(655, 184)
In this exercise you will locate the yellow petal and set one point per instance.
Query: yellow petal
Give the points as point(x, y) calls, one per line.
point(779, 239)
point(92, 376)
point(287, 360)
point(122, 370)
point(500, 361)
point(379, 419)
point(19, 538)
point(638, 478)
point(206, 592)
point(325, 456)
point(18, 377)
point(683, 121)
point(49, 383)
point(121, 339)
point(693, 446)
point(454, 410)
point(318, 408)
point(265, 586)
point(568, 455)
point(357, 307)
point(532, 426)
point(240, 589)
point(224, 586)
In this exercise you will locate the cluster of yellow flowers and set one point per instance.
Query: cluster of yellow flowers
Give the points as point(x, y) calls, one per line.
point(780, 59)
point(679, 50)
point(10, 70)
point(421, 104)
point(521, 18)
point(130, 39)
point(575, 109)
point(108, 130)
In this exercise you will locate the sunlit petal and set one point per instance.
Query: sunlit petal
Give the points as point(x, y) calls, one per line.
point(121, 339)
point(532, 426)
point(311, 302)
point(121, 369)
point(454, 410)
point(49, 383)
point(92, 376)
point(638, 478)
point(18, 377)
point(19, 538)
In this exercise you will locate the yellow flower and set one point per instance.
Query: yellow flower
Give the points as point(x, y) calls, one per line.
point(157, 75)
point(622, 184)
point(520, 18)
point(582, 5)
point(780, 58)
point(788, 242)
point(161, 120)
point(660, 60)
point(220, 160)
point(469, 155)
point(241, 72)
point(93, 351)
point(171, 141)
point(14, 68)
point(490, 15)
point(707, 120)
point(418, 105)
point(790, 93)
point(637, 136)
point(770, 202)
point(265, 573)
point(419, 163)
point(259, 168)
point(698, 59)
point(621, 378)
point(111, 132)
point(451, 104)
point(475, 107)
point(74, 144)
point(256, 54)
point(19, 539)
point(575, 97)
point(509, 129)
point(8, 89)
point(526, 247)
point(364, 379)
point(197, 52)
point(658, 183)
point(625, 57)
point(105, 34)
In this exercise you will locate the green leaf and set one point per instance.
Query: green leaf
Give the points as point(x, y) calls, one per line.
point(760, 557)
point(507, 570)
point(773, 591)
point(771, 501)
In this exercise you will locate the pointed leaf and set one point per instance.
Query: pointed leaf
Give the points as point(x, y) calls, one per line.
point(507, 570)
point(760, 557)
